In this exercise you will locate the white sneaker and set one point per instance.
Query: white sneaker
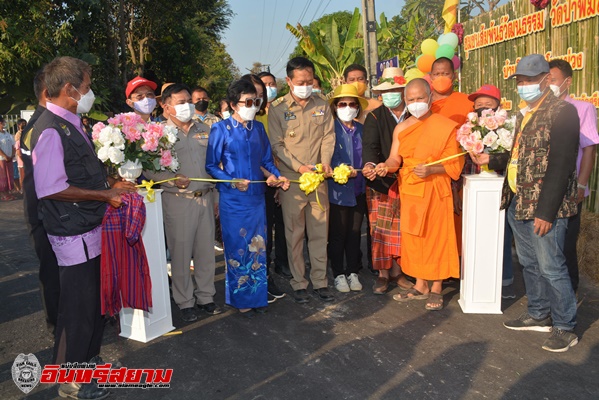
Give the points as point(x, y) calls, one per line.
point(341, 284)
point(354, 282)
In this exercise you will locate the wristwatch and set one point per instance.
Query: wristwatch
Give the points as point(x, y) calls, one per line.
point(233, 185)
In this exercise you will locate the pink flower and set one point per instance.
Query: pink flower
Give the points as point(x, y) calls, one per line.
point(166, 158)
point(130, 119)
point(478, 147)
point(116, 120)
point(472, 117)
point(131, 133)
point(501, 116)
point(150, 144)
point(155, 130)
point(487, 113)
point(491, 123)
point(96, 130)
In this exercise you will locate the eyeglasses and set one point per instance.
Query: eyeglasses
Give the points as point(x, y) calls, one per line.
point(251, 102)
point(138, 97)
point(351, 104)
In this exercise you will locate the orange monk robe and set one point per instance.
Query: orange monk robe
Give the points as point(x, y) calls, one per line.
point(428, 239)
point(455, 107)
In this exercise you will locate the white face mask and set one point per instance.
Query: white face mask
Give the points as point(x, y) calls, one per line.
point(347, 114)
point(303, 92)
point(557, 90)
point(85, 102)
point(145, 106)
point(226, 114)
point(418, 109)
point(184, 112)
point(247, 113)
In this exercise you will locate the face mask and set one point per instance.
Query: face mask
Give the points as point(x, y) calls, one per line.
point(201, 105)
point(145, 106)
point(317, 91)
point(361, 86)
point(184, 112)
point(391, 100)
point(530, 93)
point(271, 93)
point(226, 114)
point(442, 84)
point(557, 90)
point(479, 111)
point(303, 92)
point(418, 109)
point(247, 113)
point(85, 102)
point(347, 114)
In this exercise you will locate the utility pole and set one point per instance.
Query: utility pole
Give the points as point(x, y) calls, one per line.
point(371, 50)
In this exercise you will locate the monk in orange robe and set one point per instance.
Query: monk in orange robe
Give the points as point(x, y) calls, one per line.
point(455, 106)
point(429, 246)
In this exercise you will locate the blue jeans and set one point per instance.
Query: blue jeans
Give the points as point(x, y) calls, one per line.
point(508, 269)
point(548, 284)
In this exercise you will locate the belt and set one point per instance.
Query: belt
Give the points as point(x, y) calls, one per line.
point(193, 195)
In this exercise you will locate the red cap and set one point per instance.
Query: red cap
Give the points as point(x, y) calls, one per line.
point(486, 90)
point(137, 82)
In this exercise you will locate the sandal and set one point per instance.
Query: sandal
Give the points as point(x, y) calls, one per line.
point(411, 294)
point(401, 286)
point(380, 286)
point(436, 299)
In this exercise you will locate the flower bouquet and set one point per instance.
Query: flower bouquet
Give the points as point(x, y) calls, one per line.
point(127, 142)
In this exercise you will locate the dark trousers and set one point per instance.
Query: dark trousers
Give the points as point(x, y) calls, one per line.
point(48, 275)
point(570, 247)
point(345, 230)
point(80, 323)
point(274, 218)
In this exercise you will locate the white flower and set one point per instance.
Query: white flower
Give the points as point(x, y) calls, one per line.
point(174, 164)
point(170, 133)
point(117, 139)
point(472, 117)
point(105, 137)
point(116, 156)
point(490, 139)
point(103, 153)
point(477, 134)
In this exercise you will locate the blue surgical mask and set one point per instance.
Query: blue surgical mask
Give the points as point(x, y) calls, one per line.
point(392, 100)
point(530, 93)
point(271, 93)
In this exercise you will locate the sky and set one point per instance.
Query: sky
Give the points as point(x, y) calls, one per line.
point(257, 31)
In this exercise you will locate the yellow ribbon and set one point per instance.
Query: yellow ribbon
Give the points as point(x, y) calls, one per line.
point(445, 159)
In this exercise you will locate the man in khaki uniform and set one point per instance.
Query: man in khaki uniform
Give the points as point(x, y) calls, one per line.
point(188, 208)
point(302, 135)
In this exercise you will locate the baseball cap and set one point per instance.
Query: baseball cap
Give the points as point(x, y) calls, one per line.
point(486, 90)
point(531, 65)
point(137, 82)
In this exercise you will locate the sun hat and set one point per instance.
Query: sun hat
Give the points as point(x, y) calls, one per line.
point(392, 78)
point(164, 86)
point(137, 82)
point(486, 90)
point(531, 65)
point(348, 90)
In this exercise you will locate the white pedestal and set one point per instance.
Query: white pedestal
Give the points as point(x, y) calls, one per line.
point(142, 325)
point(482, 245)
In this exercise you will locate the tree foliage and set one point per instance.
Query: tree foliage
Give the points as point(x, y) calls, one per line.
point(174, 41)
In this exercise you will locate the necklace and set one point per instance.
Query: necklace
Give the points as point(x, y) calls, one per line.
point(249, 126)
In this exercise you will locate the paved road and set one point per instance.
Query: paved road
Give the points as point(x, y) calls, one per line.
point(359, 347)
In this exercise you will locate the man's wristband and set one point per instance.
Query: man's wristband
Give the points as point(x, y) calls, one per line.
point(371, 164)
point(581, 186)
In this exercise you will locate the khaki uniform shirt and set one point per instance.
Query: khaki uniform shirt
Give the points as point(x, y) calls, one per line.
point(301, 136)
point(209, 119)
point(191, 153)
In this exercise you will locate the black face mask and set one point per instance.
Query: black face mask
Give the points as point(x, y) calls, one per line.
point(479, 111)
point(202, 105)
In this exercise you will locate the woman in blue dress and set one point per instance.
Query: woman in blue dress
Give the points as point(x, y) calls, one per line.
point(240, 145)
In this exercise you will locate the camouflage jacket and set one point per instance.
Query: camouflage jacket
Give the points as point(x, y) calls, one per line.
point(546, 183)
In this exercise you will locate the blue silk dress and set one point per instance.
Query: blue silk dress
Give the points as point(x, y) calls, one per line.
point(242, 152)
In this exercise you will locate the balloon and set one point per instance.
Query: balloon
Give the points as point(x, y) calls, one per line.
point(429, 46)
point(456, 62)
point(413, 74)
point(444, 51)
point(425, 63)
point(440, 39)
point(450, 39)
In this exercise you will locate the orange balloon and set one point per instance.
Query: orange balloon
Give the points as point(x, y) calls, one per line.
point(425, 63)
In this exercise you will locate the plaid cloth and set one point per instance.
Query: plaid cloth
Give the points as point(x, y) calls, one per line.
point(124, 270)
point(383, 215)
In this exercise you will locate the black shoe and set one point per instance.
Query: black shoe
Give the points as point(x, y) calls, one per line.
point(210, 308)
point(324, 294)
point(273, 289)
point(260, 310)
point(527, 323)
point(188, 314)
point(560, 341)
point(301, 296)
point(283, 270)
point(507, 292)
point(83, 391)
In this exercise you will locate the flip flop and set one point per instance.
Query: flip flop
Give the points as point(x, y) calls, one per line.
point(395, 280)
point(434, 298)
point(411, 294)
